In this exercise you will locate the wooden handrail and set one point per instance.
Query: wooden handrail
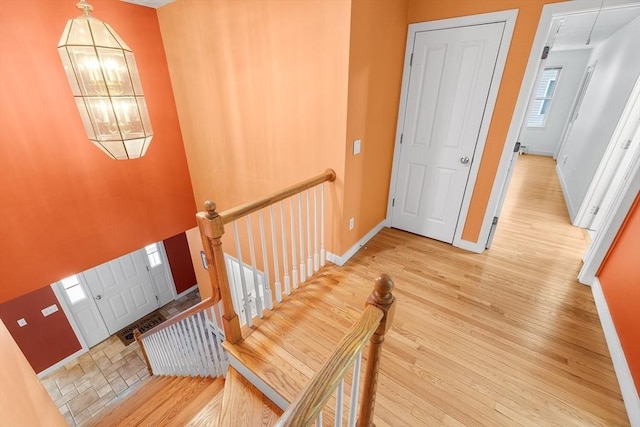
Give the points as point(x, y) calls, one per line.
point(238, 212)
point(373, 323)
point(179, 317)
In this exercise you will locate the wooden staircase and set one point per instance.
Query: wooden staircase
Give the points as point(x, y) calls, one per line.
point(297, 359)
point(166, 401)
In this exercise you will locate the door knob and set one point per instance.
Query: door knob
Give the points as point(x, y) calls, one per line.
point(464, 160)
point(99, 297)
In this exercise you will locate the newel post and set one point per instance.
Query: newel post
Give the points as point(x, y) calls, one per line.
point(382, 298)
point(211, 231)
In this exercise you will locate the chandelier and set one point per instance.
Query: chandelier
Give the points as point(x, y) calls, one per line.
point(106, 86)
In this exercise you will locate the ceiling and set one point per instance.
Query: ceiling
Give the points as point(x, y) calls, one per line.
point(150, 3)
point(573, 30)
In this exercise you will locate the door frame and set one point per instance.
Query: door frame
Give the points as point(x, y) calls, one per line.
point(549, 12)
point(584, 217)
point(509, 19)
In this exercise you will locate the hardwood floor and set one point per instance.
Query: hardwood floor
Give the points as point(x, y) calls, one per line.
point(508, 337)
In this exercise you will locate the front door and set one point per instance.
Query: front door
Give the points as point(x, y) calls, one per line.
point(122, 290)
point(451, 75)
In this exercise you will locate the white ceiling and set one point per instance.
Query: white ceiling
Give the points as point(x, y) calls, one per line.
point(574, 29)
point(150, 3)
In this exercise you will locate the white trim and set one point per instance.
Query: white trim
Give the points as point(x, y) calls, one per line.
point(565, 192)
point(510, 22)
point(509, 18)
point(341, 260)
point(549, 11)
point(167, 266)
point(540, 152)
point(620, 365)
point(614, 217)
point(261, 385)
point(584, 218)
point(61, 363)
point(185, 292)
point(58, 292)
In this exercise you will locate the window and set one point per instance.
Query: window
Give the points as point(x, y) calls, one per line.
point(543, 97)
point(153, 252)
point(73, 288)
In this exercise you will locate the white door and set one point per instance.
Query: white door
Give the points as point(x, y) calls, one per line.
point(122, 290)
point(451, 74)
point(160, 272)
point(83, 309)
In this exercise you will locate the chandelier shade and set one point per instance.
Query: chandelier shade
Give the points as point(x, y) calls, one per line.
point(105, 83)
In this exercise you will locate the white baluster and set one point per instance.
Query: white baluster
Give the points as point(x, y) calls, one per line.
point(339, 404)
point(355, 388)
point(162, 343)
point(246, 304)
point(285, 257)
point(218, 360)
point(252, 254)
point(163, 367)
point(316, 255)
point(174, 350)
point(309, 260)
point(198, 318)
point(268, 298)
point(152, 355)
point(319, 420)
point(303, 275)
point(294, 260)
point(276, 271)
point(184, 339)
point(197, 344)
point(323, 252)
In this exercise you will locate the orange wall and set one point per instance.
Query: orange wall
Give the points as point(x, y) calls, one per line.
point(378, 39)
point(620, 280)
point(524, 32)
point(65, 206)
point(261, 93)
point(24, 400)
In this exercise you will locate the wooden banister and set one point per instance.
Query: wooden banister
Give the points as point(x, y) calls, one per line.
point(383, 299)
point(238, 212)
point(373, 323)
point(179, 317)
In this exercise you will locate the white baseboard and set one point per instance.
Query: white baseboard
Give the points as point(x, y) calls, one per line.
point(341, 260)
point(61, 363)
point(273, 395)
point(183, 293)
point(535, 152)
point(625, 380)
point(565, 194)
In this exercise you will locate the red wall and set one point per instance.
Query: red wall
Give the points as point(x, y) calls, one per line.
point(45, 340)
point(64, 205)
point(620, 280)
point(177, 250)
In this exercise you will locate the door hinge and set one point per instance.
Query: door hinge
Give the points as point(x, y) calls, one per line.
point(545, 52)
point(147, 267)
point(492, 231)
point(401, 136)
point(516, 148)
point(626, 144)
point(595, 210)
point(157, 299)
point(393, 202)
point(411, 61)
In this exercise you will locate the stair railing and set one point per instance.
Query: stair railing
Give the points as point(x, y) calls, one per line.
point(288, 250)
point(374, 322)
point(188, 344)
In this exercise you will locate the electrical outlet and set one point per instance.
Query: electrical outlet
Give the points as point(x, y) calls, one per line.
point(49, 310)
point(22, 322)
point(352, 223)
point(356, 146)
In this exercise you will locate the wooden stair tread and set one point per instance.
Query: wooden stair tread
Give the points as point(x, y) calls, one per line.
point(162, 401)
point(243, 405)
point(280, 351)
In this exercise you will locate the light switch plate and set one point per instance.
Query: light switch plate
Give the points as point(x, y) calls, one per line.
point(356, 146)
point(49, 310)
point(22, 322)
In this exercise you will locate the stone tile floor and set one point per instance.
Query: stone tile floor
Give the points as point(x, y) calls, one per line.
point(108, 372)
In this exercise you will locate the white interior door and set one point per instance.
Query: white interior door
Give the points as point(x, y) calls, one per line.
point(122, 290)
point(451, 75)
point(160, 272)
